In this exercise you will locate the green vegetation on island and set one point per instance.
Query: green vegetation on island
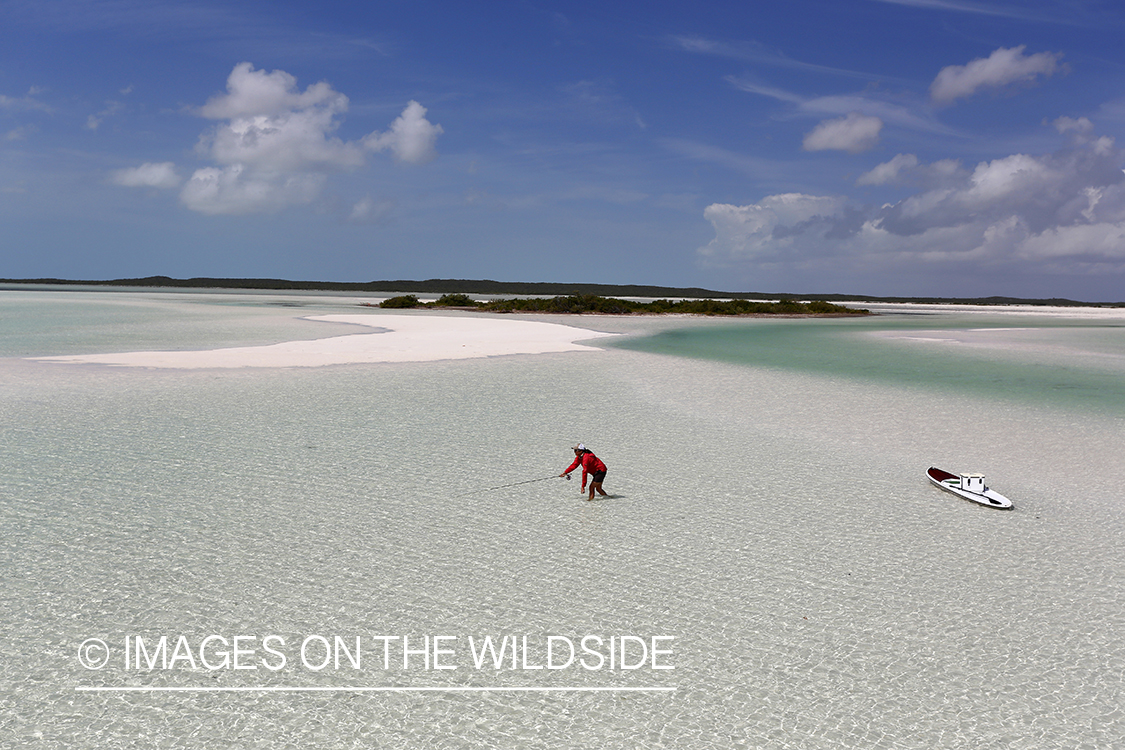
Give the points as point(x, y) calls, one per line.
point(592, 303)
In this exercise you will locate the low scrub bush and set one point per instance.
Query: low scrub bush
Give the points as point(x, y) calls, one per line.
point(406, 300)
point(455, 300)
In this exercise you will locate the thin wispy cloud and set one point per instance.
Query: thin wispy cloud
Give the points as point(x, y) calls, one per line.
point(703, 152)
point(95, 120)
point(27, 102)
point(912, 115)
point(598, 101)
point(753, 87)
point(19, 134)
point(92, 15)
point(753, 52)
point(1021, 13)
point(223, 24)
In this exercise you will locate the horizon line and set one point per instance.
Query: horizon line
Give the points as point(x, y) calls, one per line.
point(492, 286)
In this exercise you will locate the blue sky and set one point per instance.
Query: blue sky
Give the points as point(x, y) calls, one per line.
point(887, 147)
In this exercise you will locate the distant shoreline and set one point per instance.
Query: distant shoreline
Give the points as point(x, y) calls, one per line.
point(490, 287)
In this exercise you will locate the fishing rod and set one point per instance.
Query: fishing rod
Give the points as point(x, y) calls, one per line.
point(513, 484)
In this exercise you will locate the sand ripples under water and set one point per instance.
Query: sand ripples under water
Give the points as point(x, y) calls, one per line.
point(775, 521)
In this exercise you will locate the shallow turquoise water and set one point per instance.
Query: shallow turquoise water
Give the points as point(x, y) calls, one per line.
point(774, 519)
point(46, 322)
point(1068, 364)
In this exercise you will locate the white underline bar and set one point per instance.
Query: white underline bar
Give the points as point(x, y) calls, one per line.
point(285, 689)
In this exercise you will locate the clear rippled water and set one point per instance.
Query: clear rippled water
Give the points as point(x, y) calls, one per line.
point(773, 518)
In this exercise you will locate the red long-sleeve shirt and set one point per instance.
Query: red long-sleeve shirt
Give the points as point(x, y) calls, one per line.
point(590, 463)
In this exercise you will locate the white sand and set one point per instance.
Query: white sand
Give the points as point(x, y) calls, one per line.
point(778, 523)
point(401, 338)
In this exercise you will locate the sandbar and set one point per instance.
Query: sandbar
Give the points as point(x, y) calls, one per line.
point(397, 338)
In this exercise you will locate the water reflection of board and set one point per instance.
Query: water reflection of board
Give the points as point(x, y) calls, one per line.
point(970, 487)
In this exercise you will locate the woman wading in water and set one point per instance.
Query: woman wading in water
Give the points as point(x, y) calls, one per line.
point(591, 465)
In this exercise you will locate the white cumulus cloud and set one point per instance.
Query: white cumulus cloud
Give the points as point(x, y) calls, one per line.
point(236, 190)
point(255, 93)
point(853, 133)
point(889, 171)
point(1002, 67)
point(1081, 132)
point(766, 229)
point(411, 138)
point(905, 169)
point(1018, 211)
point(158, 175)
point(275, 145)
